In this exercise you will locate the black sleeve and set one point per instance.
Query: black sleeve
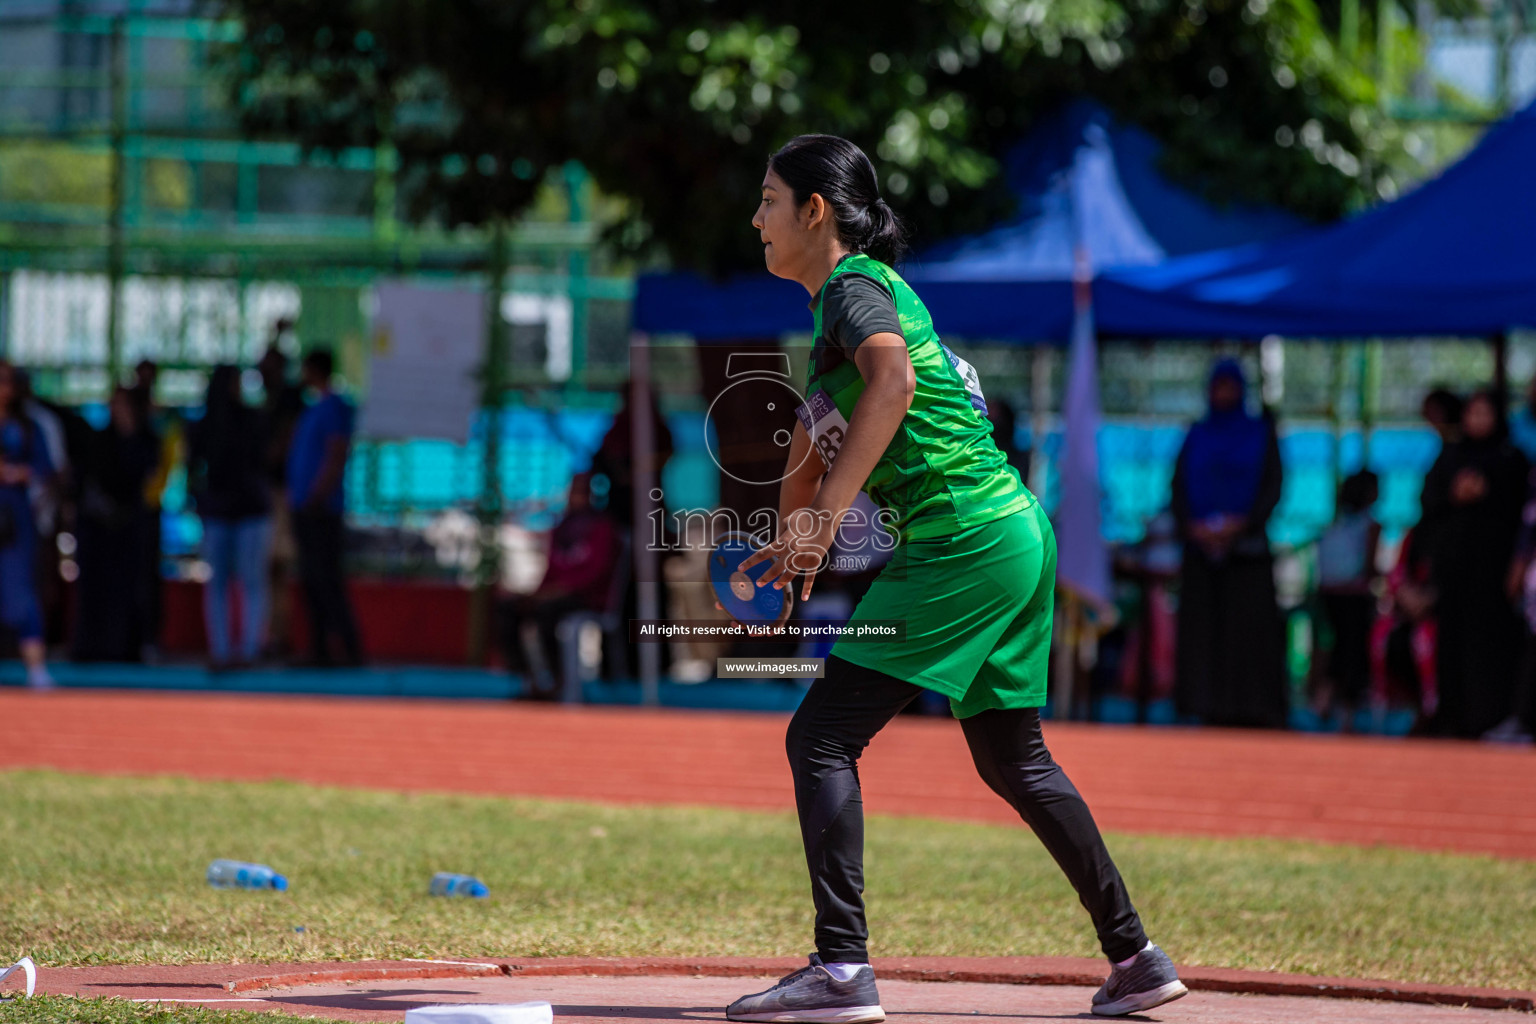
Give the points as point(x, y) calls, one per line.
point(1435, 496)
point(857, 306)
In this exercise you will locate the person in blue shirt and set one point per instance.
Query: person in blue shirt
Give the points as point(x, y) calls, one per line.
point(317, 462)
point(23, 459)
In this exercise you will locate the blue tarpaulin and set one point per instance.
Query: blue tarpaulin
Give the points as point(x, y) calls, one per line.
point(1079, 175)
point(1457, 256)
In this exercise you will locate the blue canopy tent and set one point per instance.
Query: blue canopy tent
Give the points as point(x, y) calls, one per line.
point(1455, 257)
point(1081, 178)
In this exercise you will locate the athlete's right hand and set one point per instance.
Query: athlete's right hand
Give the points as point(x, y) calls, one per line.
point(800, 549)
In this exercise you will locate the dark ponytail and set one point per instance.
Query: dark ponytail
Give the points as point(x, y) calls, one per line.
point(842, 175)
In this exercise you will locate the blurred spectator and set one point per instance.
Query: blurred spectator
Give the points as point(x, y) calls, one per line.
point(56, 425)
point(23, 462)
point(317, 462)
point(1346, 568)
point(583, 552)
point(1471, 504)
point(146, 374)
point(1231, 641)
point(282, 405)
point(615, 460)
point(114, 617)
point(1004, 432)
point(50, 424)
point(1520, 724)
point(166, 425)
point(690, 597)
point(1441, 409)
point(225, 480)
point(1404, 636)
point(615, 457)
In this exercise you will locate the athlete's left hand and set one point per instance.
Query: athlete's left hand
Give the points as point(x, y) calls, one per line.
point(801, 547)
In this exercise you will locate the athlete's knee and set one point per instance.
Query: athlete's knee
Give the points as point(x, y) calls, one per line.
point(819, 739)
point(841, 713)
point(810, 743)
point(796, 736)
point(1007, 736)
point(1012, 759)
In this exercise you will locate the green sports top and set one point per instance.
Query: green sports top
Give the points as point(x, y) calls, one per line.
point(941, 472)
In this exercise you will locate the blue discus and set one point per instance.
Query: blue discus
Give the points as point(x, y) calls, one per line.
point(738, 591)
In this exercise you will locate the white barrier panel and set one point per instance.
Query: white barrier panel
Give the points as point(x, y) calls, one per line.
point(482, 1013)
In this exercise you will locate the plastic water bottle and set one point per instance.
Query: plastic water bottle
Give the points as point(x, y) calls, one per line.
point(237, 874)
point(446, 883)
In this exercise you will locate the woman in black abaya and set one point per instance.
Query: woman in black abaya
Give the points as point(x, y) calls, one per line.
point(1471, 506)
point(1230, 651)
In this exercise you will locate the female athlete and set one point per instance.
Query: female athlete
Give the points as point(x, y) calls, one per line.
point(891, 411)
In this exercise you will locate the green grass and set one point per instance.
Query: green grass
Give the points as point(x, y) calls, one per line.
point(109, 870)
point(68, 1010)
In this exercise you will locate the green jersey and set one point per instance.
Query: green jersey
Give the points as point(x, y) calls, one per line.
point(941, 472)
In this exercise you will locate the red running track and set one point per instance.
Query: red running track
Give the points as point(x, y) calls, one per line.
point(1432, 795)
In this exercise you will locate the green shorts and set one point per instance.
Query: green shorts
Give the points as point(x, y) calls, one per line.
point(977, 608)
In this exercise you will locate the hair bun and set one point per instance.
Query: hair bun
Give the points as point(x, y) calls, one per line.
point(842, 174)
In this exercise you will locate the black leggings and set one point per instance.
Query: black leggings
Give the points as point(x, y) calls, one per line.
point(841, 714)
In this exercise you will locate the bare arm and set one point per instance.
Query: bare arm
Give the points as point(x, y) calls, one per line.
point(889, 384)
point(803, 474)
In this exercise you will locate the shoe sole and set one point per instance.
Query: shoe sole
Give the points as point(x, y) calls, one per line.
point(1142, 1000)
point(838, 1015)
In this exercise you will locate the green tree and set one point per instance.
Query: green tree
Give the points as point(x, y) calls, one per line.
point(675, 105)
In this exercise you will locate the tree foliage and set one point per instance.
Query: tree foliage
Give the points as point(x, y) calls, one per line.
point(675, 104)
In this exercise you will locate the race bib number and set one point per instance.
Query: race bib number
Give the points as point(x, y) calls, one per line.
point(969, 377)
point(825, 426)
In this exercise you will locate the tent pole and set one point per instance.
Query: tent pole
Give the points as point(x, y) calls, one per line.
point(1272, 371)
point(1266, 373)
point(1040, 416)
point(490, 506)
point(117, 60)
point(1369, 395)
point(643, 452)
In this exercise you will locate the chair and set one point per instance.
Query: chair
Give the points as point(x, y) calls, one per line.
point(610, 620)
